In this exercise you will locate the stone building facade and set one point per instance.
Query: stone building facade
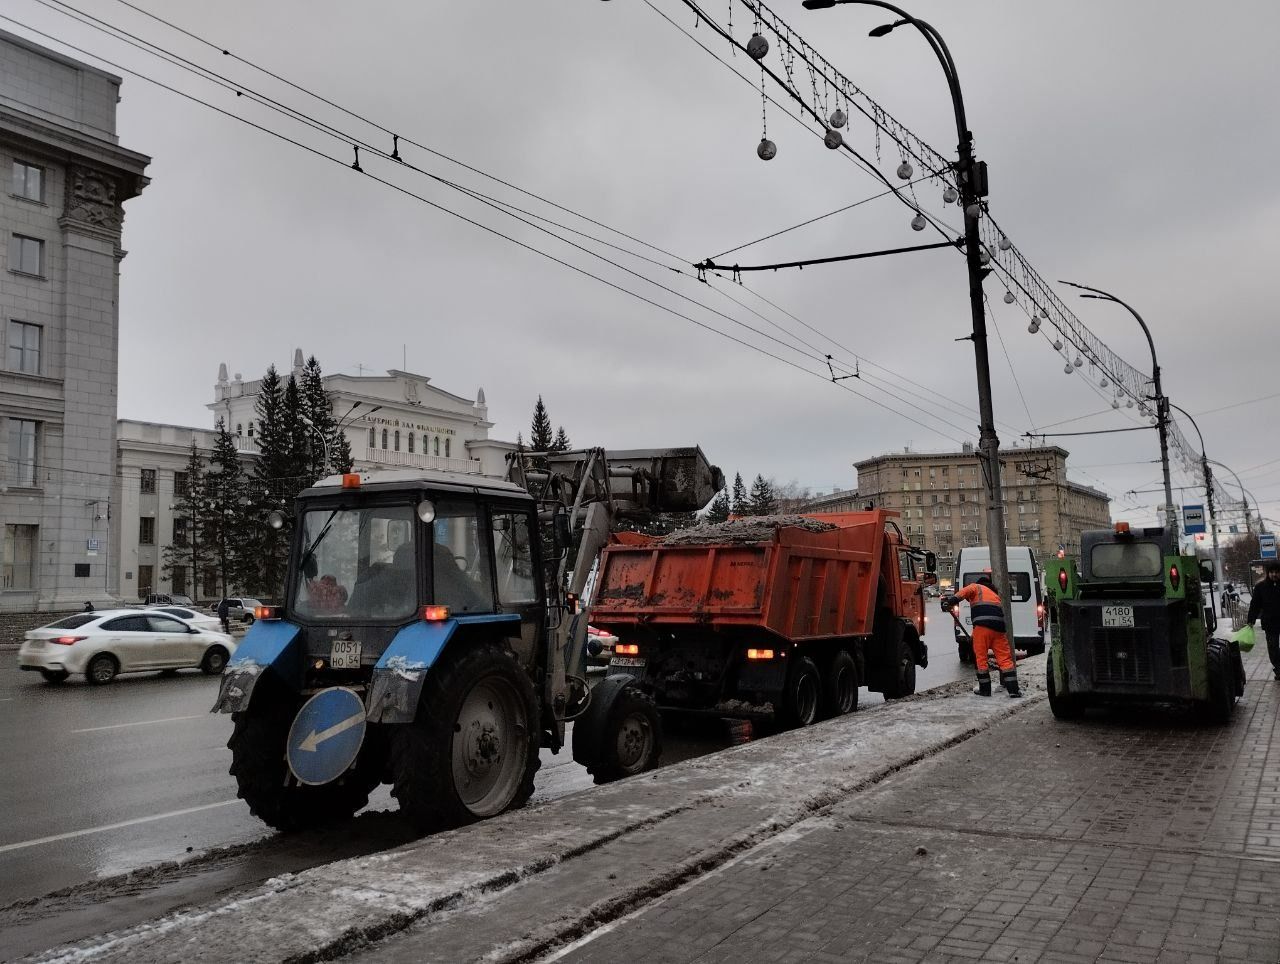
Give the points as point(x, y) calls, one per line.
point(942, 498)
point(61, 215)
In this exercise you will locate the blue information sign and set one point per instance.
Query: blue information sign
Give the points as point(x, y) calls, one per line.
point(326, 735)
point(1192, 519)
point(1266, 546)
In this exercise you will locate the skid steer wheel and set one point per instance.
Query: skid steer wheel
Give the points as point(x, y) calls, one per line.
point(1062, 705)
point(802, 696)
point(632, 740)
point(840, 686)
point(258, 763)
point(1221, 674)
point(473, 750)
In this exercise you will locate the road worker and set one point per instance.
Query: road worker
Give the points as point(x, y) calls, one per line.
point(989, 633)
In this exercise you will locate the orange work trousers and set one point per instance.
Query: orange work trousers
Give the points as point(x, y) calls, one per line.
point(985, 639)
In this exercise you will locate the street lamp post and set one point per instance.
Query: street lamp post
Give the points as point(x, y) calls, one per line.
point(1244, 494)
point(1208, 493)
point(1162, 403)
point(971, 177)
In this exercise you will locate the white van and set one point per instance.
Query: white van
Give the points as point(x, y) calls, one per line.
point(1028, 597)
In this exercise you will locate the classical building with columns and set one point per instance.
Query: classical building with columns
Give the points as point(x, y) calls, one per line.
point(396, 420)
point(61, 215)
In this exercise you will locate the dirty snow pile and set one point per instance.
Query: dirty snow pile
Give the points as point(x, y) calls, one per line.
point(759, 528)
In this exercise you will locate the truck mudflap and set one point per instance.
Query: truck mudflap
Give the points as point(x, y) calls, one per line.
point(269, 645)
point(399, 674)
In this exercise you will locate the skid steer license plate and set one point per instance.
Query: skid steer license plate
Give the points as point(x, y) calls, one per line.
point(627, 661)
point(345, 654)
point(1117, 617)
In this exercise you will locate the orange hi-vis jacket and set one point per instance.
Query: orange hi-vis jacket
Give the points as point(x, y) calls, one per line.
point(984, 606)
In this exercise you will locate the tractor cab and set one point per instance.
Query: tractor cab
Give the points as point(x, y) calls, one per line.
point(1132, 626)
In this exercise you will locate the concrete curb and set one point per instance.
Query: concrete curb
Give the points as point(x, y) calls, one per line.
point(751, 793)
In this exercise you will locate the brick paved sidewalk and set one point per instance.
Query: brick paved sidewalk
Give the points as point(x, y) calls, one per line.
point(1127, 837)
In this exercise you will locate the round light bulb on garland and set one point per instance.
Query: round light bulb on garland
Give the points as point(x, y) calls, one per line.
point(1034, 326)
point(1005, 243)
point(919, 222)
point(1128, 403)
point(950, 195)
point(832, 139)
point(984, 256)
point(905, 171)
point(1009, 298)
point(767, 150)
point(1067, 368)
point(1057, 344)
point(1153, 420)
point(757, 47)
point(1103, 383)
point(839, 118)
point(1079, 362)
point(974, 210)
point(1115, 403)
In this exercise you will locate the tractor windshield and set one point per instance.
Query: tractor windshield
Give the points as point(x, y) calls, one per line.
point(356, 564)
point(1127, 560)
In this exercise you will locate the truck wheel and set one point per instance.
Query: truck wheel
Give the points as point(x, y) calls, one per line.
point(632, 741)
point(902, 675)
point(1063, 706)
point(473, 749)
point(1222, 699)
point(840, 688)
point(802, 695)
point(263, 779)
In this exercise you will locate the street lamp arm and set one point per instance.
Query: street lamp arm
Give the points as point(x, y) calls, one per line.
point(1193, 425)
point(1101, 295)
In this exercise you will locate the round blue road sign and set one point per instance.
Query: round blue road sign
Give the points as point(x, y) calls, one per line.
point(326, 735)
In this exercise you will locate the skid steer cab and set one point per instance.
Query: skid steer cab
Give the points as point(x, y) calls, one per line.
point(1131, 626)
point(411, 648)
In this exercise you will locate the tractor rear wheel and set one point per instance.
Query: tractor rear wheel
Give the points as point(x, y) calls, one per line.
point(1064, 706)
point(265, 783)
point(473, 749)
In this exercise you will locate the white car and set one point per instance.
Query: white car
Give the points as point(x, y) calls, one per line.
point(202, 621)
point(103, 644)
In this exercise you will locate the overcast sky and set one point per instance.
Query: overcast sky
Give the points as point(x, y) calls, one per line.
point(1128, 146)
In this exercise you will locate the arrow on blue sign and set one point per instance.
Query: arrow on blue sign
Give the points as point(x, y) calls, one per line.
point(326, 735)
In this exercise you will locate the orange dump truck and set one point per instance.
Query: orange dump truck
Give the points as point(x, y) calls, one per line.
point(786, 615)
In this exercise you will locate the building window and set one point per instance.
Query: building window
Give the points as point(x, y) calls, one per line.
point(384, 438)
point(19, 557)
point(446, 448)
point(24, 347)
point(179, 536)
point(373, 438)
point(146, 576)
point(26, 255)
point(410, 443)
point(146, 531)
point(148, 481)
point(28, 181)
point(181, 485)
point(178, 579)
point(210, 583)
point(250, 432)
point(239, 430)
point(22, 451)
point(397, 440)
point(437, 445)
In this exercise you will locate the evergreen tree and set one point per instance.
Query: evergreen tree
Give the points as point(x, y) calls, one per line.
point(720, 507)
point(187, 554)
point(762, 500)
point(273, 487)
point(325, 436)
point(561, 443)
point(227, 519)
point(540, 438)
point(738, 500)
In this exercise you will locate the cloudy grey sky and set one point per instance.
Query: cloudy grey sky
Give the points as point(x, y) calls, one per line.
point(1128, 146)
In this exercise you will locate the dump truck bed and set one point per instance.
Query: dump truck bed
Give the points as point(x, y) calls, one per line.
point(794, 583)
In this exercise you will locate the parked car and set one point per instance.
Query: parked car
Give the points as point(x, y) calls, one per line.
point(170, 599)
point(194, 617)
point(103, 644)
point(238, 607)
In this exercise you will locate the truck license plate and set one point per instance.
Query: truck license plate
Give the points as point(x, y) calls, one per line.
point(345, 654)
point(1117, 617)
point(626, 661)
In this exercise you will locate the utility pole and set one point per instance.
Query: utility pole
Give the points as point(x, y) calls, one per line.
point(1208, 493)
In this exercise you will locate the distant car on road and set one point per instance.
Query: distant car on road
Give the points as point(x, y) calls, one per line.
point(195, 617)
point(170, 599)
point(102, 645)
point(239, 607)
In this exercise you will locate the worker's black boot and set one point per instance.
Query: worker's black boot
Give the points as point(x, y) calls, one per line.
point(1009, 680)
point(984, 685)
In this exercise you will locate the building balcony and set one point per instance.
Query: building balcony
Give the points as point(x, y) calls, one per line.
point(388, 458)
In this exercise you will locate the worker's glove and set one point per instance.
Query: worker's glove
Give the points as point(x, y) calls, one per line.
point(950, 602)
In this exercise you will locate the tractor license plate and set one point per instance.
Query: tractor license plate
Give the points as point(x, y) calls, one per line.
point(627, 661)
point(1117, 617)
point(345, 654)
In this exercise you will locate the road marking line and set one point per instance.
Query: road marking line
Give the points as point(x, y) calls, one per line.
point(6, 848)
point(117, 726)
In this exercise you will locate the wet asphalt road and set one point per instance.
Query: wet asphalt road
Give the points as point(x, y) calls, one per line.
point(99, 781)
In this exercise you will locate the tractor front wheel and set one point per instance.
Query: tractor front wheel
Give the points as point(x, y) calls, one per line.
point(1064, 706)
